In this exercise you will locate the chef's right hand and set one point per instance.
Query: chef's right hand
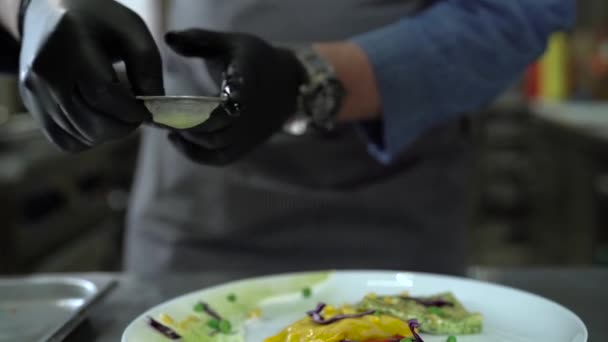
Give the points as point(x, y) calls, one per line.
point(67, 79)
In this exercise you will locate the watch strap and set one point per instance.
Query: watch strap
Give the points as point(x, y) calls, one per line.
point(321, 95)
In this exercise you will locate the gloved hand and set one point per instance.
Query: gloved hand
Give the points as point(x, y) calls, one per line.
point(261, 83)
point(67, 79)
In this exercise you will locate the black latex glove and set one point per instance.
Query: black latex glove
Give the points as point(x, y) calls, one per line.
point(261, 83)
point(67, 79)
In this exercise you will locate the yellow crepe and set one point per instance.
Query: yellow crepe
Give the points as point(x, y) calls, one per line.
point(366, 328)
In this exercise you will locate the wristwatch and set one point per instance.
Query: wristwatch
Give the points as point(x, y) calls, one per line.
point(320, 96)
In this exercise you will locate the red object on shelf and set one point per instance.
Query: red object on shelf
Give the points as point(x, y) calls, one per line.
point(532, 82)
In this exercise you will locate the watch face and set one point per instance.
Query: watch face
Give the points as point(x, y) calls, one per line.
point(325, 100)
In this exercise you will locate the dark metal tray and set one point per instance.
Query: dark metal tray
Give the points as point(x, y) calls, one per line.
point(47, 308)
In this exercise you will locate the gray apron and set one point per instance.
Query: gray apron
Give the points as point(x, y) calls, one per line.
point(297, 203)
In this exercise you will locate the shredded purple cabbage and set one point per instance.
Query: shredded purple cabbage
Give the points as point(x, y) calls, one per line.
point(316, 313)
point(163, 329)
point(429, 302)
point(318, 318)
point(211, 312)
point(413, 323)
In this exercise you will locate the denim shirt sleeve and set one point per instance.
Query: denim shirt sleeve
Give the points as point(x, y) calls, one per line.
point(453, 57)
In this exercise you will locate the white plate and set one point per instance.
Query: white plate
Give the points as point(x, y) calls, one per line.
point(510, 315)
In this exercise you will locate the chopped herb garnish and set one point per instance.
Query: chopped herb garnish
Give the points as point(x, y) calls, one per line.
point(407, 339)
point(452, 339)
point(213, 324)
point(378, 313)
point(225, 327)
point(199, 307)
point(220, 326)
point(216, 322)
point(231, 297)
point(434, 310)
point(306, 292)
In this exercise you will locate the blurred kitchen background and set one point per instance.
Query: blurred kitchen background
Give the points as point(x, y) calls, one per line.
point(540, 180)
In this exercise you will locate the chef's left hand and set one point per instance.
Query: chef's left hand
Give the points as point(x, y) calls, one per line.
point(261, 84)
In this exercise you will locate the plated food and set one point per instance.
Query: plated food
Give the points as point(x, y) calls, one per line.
point(357, 306)
point(439, 314)
point(373, 319)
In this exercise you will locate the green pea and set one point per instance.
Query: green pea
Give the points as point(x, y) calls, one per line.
point(225, 326)
point(199, 307)
point(213, 324)
point(451, 339)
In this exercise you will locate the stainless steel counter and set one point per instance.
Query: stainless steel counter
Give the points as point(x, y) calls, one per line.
point(583, 118)
point(581, 290)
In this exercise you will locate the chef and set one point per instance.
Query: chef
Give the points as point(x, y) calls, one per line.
point(341, 142)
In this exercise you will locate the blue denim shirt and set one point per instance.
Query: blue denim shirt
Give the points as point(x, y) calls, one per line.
point(454, 57)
